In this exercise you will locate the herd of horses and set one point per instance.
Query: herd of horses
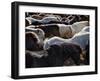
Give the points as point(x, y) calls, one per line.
point(56, 40)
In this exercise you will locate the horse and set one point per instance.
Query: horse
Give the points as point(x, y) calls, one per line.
point(61, 30)
point(78, 26)
point(40, 33)
point(32, 41)
point(80, 39)
point(45, 20)
point(35, 59)
point(57, 54)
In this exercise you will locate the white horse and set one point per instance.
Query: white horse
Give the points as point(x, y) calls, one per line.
point(49, 19)
point(68, 31)
point(79, 39)
point(45, 20)
point(78, 26)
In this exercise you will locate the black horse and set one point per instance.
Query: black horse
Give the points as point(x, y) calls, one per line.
point(58, 54)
